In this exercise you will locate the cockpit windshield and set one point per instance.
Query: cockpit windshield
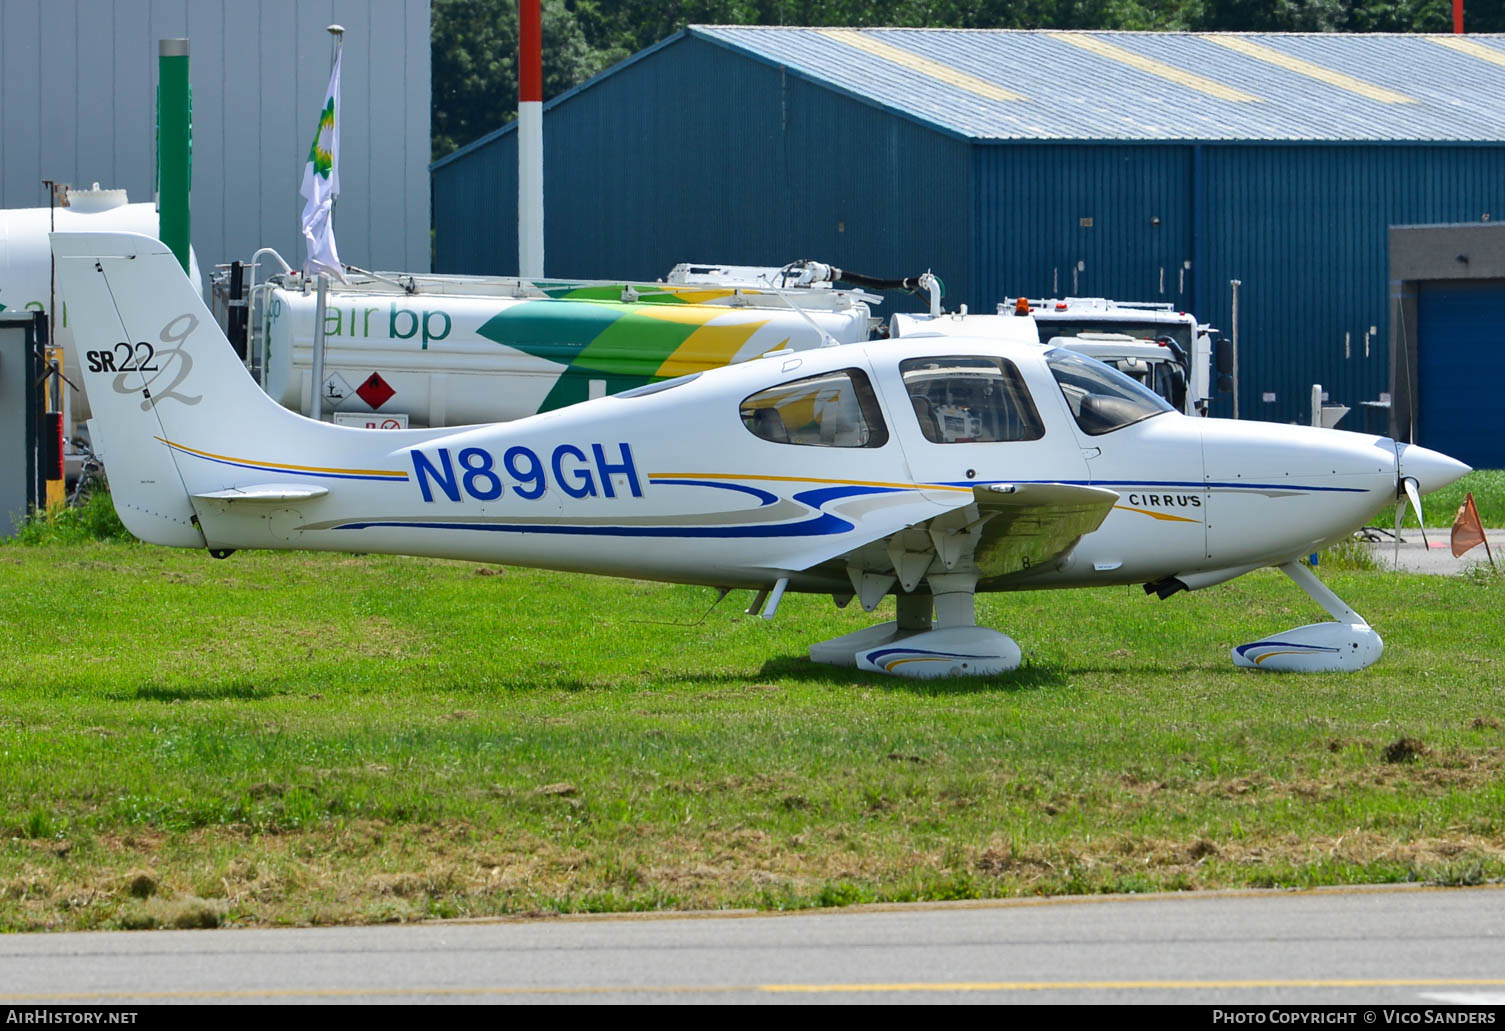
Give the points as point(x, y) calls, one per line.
point(1101, 398)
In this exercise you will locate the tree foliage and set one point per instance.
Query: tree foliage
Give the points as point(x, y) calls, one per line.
point(474, 61)
point(475, 41)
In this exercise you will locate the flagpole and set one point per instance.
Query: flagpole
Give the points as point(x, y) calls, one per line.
point(321, 175)
point(336, 44)
point(316, 388)
point(530, 140)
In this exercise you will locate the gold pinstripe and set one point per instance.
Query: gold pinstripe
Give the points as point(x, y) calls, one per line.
point(394, 473)
point(1157, 515)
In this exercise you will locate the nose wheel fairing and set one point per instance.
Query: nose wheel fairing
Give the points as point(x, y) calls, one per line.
point(1345, 646)
point(1314, 648)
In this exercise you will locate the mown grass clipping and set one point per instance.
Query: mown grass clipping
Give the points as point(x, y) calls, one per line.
point(293, 738)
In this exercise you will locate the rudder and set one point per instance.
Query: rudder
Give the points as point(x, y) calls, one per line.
point(157, 370)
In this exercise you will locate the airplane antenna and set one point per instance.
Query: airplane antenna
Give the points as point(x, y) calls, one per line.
point(1406, 486)
point(721, 593)
point(1405, 346)
point(1375, 533)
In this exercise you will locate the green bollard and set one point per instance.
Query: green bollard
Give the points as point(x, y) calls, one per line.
point(174, 145)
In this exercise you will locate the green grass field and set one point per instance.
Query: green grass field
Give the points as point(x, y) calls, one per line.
point(298, 738)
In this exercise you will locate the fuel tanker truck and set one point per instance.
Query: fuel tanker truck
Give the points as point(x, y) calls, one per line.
point(405, 350)
point(415, 350)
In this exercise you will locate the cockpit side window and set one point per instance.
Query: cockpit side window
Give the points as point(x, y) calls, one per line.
point(834, 409)
point(967, 399)
point(1101, 398)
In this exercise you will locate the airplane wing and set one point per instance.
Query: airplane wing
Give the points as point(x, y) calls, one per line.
point(1006, 533)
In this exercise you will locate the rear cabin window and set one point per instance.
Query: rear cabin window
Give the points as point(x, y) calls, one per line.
point(834, 409)
point(965, 399)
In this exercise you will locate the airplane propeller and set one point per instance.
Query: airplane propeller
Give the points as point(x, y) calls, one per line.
point(1407, 488)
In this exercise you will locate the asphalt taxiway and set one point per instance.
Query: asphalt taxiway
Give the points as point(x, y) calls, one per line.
point(1357, 946)
point(1433, 554)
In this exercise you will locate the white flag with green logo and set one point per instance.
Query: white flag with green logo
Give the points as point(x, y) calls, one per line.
point(321, 184)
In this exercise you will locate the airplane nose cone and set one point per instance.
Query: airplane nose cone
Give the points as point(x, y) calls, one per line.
point(1432, 469)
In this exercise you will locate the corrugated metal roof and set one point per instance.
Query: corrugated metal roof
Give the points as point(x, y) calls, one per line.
point(1042, 85)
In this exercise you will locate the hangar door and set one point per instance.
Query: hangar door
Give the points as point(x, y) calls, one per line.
point(1460, 357)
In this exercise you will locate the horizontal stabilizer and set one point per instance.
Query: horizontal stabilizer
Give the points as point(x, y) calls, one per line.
point(266, 493)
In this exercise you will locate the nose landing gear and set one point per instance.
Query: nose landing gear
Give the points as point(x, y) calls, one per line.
point(1344, 646)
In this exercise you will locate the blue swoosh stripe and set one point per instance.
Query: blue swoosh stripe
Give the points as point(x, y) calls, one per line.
point(825, 524)
point(1241, 649)
point(875, 656)
point(764, 497)
point(1166, 483)
point(822, 525)
point(818, 497)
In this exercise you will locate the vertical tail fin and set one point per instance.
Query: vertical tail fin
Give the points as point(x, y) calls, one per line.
point(157, 370)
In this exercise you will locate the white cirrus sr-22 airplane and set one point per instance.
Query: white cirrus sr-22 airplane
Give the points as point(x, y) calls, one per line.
point(929, 470)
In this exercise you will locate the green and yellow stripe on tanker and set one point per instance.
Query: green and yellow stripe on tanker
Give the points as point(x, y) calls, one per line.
point(647, 293)
point(623, 345)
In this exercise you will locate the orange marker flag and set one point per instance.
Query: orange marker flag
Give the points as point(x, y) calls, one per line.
point(1468, 531)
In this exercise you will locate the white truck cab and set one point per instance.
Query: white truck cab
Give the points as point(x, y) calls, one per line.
point(1167, 339)
point(1167, 350)
point(1150, 361)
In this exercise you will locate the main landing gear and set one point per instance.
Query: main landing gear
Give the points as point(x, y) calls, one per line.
point(936, 635)
point(1009, 532)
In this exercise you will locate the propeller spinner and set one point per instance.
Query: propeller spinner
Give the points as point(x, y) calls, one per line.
point(1418, 471)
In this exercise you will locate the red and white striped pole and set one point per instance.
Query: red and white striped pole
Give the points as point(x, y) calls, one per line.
point(530, 140)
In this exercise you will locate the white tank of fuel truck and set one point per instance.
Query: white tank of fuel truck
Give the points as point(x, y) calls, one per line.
point(450, 350)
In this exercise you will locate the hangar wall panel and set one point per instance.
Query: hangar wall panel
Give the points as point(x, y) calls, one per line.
point(1305, 228)
point(1081, 220)
point(78, 78)
point(475, 207)
point(698, 154)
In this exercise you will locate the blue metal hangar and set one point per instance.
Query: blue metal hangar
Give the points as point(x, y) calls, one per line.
point(1137, 166)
